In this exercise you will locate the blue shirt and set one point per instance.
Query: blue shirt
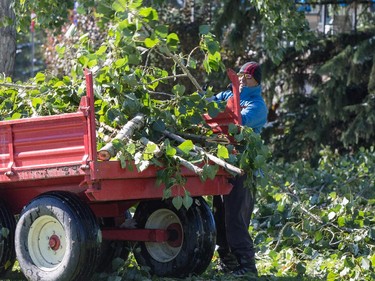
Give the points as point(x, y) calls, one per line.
point(254, 110)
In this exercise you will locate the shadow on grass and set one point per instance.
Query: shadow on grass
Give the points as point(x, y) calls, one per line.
point(297, 278)
point(13, 276)
point(18, 276)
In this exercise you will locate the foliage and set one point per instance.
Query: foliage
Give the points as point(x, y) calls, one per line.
point(323, 97)
point(261, 28)
point(319, 222)
point(283, 25)
point(43, 9)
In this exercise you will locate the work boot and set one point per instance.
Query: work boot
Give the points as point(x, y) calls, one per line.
point(248, 270)
point(228, 262)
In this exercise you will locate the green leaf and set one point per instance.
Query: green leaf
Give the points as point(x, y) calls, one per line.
point(204, 29)
point(60, 49)
point(173, 41)
point(16, 115)
point(121, 62)
point(119, 6)
point(213, 109)
point(210, 171)
point(341, 221)
point(332, 276)
point(150, 43)
point(149, 13)
point(167, 193)
point(222, 152)
point(318, 236)
point(40, 77)
point(151, 148)
point(177, 202)
point(278, 196)
point(186, 146)
point(161, 31)
point(84, 60)
point(170, 151)
point(213, 48)
point(101, 50)
point(259, 161)
point(192, 63)
point(59, 84)
point(333, 195)
point(37, 101)
point(239, 137)
point(122, 161)
point(131, 148)
point(131, 80)
point(158, 126)
point(178, 90)
point(372, 258)
point(232, 129)
point(301, 268)
point(187, 200)
point(92, 63)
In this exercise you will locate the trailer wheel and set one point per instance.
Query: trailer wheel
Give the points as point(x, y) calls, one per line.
point(192, 238)
point(57, 238)
point(7, 228)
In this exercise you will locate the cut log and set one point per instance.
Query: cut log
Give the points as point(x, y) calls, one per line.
point(213, 158)
point(108, 151)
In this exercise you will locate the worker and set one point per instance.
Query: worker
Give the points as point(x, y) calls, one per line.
point(233, 212)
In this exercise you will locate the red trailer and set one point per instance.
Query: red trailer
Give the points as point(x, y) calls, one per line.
point(71, 208)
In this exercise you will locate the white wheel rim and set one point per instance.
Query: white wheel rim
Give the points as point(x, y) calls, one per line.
point(46, 242)
point(163, 251)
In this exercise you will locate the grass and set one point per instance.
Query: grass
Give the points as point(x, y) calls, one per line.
point(130, 272)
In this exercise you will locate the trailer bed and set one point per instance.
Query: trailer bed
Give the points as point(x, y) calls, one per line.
point(58, 152)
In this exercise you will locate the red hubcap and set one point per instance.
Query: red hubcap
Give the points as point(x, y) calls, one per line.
point(174, 235)
point(54, 242)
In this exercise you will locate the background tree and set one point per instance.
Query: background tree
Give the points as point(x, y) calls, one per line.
point(16, 16)
point(7, 37)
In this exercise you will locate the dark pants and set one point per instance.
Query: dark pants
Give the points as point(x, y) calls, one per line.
point(232, 215)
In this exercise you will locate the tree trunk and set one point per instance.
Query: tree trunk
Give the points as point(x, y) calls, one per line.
point(7, 38)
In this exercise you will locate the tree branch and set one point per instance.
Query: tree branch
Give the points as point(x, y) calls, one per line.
point(213, 158)
point(12, 85)
point(167, 77)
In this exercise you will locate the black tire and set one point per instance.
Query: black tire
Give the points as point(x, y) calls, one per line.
point(209, 236)
point(192, 245)
point(111, 250)
point(57, 239)
point(7, 229)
